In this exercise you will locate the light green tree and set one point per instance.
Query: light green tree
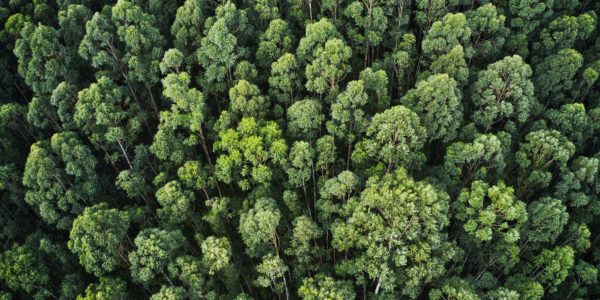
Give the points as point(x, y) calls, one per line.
point(99, 238)
point(154, 249)
point(328, 68)
point(401, 248)
point(394, 139)
point(437, 102)
point(503, 93)
point(250, 154)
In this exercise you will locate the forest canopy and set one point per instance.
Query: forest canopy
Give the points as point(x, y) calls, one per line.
point(299, 149)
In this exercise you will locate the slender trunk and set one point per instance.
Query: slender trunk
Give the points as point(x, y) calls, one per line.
point(207, 154)
point(378, 286)
point(287, 292)
point(125, 154)
point(154, 106)
point(306, 198)
point(312, 167)
point(123, 70)
point(349, 155)
point(205, 193)
point(21, 93)
point(204, 147)
point(585, 93)
point(167, 277)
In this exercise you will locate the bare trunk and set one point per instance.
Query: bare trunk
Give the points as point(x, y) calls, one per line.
point(125, 154)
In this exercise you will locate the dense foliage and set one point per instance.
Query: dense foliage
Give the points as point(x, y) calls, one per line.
point(299, 149)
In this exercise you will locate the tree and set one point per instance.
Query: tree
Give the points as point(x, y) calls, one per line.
point(301, 169)
point(107, 288)
point(98, 45)
point(143, 42)
point(480, 159)
point(571, 120)
point(326, 150)
point(315, 37)
point(99, 237)
point(192, 274)
point(72, 33)
point(175, 203)
point(453, 64)
point(547, 218)
point(266, 10)
point(109, 118)
point(305, 119)
point(306, 231)
point(334, 193)
point(427, 12)
point(492, 216)
point(64, 97)
point(154, 249)
point(247, 101)
point(527, 287)
point(554, 76)
point(163, 11)
point(403, 61)
point(444, 35)
point(246, 70)
point(529, 14)
point(60, 178)
point(328, 68)
point(551, 267)
point(488, 32)
point(39, 53)
point(284, 81)
point(217, 56)
point(276, 41)
point(376, 86)
point(324, 287)
point(348, 118)
point(187, 113)
point(301, 161)
point(576, 185)
point(454, 288)
point(77, 157)
point(169, 293)
point(367, 26)
point(258, 227)
point(188, 26)
point(216, 253)
point(22, 269)
point(395, 137)
point(236, 20)
point(400, 248)
point(134, 181)
point(503, 93)
point(272, 274)
point(172, 61)
point(38, 63)
point(195, 176)
point(563, 32)
point(542, 152)
point(256, 145)
point(437, 101)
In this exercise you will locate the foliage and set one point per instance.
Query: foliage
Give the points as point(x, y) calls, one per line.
point(301, 149)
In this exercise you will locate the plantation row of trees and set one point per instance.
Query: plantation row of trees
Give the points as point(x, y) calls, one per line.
point(299, 149)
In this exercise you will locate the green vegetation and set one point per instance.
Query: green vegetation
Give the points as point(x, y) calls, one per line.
point(299, 149)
